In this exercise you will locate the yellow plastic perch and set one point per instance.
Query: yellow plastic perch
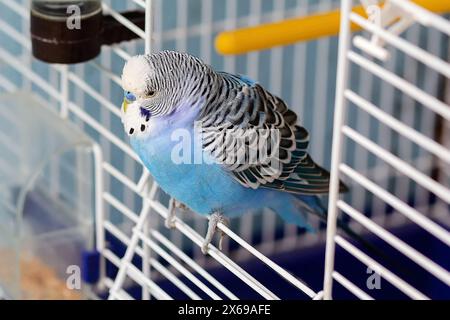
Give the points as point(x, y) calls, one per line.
point(289, 31)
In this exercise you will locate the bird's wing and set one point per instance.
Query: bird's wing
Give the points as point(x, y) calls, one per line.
point(236, 132)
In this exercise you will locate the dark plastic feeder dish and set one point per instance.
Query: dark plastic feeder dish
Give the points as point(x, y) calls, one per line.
point(73, 31)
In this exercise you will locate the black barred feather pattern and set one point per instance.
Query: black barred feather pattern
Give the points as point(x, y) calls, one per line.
point(245, 111)
point(245, 128)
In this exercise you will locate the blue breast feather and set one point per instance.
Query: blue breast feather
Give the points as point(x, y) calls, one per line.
point(203, 187)
point(206, 187)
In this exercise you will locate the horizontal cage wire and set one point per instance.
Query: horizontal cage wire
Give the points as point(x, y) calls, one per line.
point(372, 56)
point(387, 148)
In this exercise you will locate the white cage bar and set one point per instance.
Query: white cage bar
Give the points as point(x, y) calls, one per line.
point(344, 96)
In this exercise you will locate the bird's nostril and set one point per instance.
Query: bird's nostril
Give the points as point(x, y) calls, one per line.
point(131, 131)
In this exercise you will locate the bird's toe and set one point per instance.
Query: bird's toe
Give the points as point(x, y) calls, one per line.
point(170, 223)
point(204, 247)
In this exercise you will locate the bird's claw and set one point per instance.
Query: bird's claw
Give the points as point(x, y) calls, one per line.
point(214, 220)
point(181, 205)
point(169, 223)
point(170, 220)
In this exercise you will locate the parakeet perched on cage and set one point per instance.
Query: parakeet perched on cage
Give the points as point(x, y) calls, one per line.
point(219, 143)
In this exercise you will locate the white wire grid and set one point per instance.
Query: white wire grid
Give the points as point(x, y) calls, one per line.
point(88, 94)
point(343, 132)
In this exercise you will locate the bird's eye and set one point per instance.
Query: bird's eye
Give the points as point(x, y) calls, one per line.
point(150, 94)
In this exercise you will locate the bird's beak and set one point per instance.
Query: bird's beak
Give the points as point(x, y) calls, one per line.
point(127, 99)
point(125, 105)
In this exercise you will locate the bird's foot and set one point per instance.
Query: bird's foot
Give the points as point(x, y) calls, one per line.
point(214, 220)
point(181, 205)
point(170, 220)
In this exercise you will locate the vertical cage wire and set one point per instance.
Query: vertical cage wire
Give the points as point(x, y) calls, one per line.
point(412, 94)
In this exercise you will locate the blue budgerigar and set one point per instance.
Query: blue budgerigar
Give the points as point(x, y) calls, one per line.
point(252, 153)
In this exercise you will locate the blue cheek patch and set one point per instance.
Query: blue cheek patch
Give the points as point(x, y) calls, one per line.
point(145, 113)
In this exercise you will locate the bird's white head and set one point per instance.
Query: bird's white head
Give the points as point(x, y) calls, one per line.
point(136, 74)
point(157, 84)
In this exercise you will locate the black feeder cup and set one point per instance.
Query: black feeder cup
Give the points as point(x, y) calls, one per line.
point(71, 31)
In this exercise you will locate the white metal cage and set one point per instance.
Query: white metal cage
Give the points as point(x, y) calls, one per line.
point(395, 17)
point(129, 206)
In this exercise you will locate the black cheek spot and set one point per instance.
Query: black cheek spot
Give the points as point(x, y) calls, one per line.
point(147, 118)
point(131, 131)
point(142, 127)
